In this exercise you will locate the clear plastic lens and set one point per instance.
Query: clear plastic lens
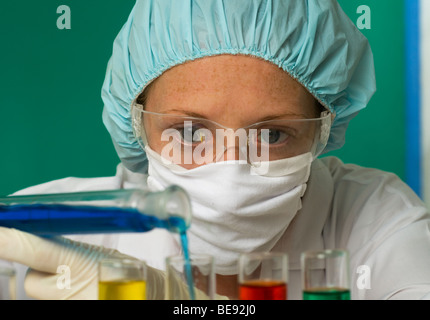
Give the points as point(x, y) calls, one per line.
point(191, 142)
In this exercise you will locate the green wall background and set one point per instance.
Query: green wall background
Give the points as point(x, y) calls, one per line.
point(377, 136)
point(50, 83)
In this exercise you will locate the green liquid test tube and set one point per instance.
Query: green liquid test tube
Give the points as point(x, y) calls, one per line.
point(327, 294)
point(325, 275)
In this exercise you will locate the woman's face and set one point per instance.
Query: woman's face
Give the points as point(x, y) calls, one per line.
point(234, 91)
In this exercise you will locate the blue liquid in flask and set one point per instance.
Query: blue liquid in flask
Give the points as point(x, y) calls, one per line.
point(111, 211)
point(57, 219)
point(62, 214)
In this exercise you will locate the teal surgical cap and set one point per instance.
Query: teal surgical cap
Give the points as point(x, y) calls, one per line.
point(313, 40)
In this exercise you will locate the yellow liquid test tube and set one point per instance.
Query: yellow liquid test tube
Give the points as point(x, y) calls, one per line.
point(122, 290)
point(122, 279)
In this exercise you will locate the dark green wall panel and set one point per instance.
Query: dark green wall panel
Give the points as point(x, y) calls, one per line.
point(377, 136)
point(50, 104)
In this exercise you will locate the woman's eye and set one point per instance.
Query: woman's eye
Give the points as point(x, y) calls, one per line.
point(192, 134)
point(272, 136)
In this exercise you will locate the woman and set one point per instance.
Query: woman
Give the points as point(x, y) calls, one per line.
point(194, 86)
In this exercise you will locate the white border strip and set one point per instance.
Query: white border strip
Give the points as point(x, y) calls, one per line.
point(425, 98)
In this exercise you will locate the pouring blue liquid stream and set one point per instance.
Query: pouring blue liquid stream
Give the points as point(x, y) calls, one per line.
point(111, 211)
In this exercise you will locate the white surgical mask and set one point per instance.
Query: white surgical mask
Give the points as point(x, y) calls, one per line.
point(235, 209)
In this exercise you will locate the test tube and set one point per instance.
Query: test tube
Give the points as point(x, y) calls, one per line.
point(325, 275)
point(122, 279)
point(7, 283)
point(107, 211)
point(190, 279)
point(263, 276)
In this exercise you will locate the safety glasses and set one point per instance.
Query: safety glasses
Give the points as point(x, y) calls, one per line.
point(191, 142)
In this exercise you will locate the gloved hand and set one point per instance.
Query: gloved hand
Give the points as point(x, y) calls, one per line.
point(45, 255)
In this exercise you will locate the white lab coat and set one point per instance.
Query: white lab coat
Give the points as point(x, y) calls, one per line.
point(371, 213)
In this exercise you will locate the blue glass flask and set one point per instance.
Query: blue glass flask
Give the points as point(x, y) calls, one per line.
point(107, 211)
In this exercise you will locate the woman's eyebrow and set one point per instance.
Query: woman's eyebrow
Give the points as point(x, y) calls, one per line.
point(284, 116)
point(288, 115)
point(187, 113)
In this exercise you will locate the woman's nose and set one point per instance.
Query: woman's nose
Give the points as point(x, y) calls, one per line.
point(234, 153)
point(232, 145)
